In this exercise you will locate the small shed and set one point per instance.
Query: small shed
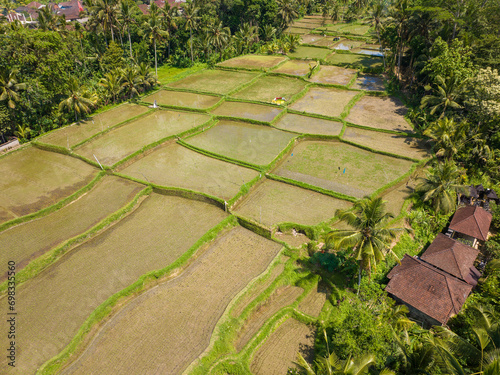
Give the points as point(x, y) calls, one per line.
point(473, 222)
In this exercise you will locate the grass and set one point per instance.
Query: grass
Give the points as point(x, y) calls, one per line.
point(214, 81)
point(72, 135)
point(247, 111)
point(59, 300)
point(265, 89)
point(174, 165)
point(308, 125)
point(33, 179)
point(275, 202)
point(167, 73)
point(182, 99)
point(324, 101)
point(115, 145)
point(34, 238)
point(255, 144)
point(304, 52)
point(322, 164)
point(380, 113)
point(253, 62)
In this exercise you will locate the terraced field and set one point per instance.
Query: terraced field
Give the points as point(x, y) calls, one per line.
point(168, 280)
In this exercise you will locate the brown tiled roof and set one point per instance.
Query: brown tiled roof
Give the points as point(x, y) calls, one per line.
point(473, 221)
point(427, 289)
point(451, 256)
point(144, 8)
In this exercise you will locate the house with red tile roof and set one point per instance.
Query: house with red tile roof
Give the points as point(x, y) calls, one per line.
point(432, 295)
point(453, 257)
point(472, 222)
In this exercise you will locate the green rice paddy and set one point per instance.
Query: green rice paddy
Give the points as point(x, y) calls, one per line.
point(247, 111)
point(265, 89)
point(182, 99)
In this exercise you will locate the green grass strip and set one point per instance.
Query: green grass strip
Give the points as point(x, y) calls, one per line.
point(41, 263)
point(210, 154)
point(300, 94)
point(65, 151)
point(408, 134)
point(246, 84)
point(316, 115)
point(303, 185)
point(352, 103)
point(145, 281)
point(396, 181)
point(159, 142)
point(281, 155)
point(167, 78)
point(54, 207)
point(251, 101)
point(179, 192)
point(253, 226)
point(367, 148)
point(245, 188)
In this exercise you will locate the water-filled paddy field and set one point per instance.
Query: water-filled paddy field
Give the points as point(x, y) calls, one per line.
point(182, 99)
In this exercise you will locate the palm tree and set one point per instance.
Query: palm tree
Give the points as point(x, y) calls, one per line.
point(153, 28)
point(287, 11)
point(219, 36)
point(130, 81)
point(332, 365)
point(146, 79)
point(191, 15)
point(169, 16)
point(370, 235)
point(105, 12)
point(79, 101)
point(268, 32)
point(111, 82)
point(447, 94)
point(126, 17)
point(440, 186)
point(9, 87)
point(449, 136)
point(247, 35)
point(376, 15)
point(399, 18)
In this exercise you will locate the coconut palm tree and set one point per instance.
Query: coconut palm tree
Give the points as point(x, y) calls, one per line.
point(79, 100)
point(287, 11)
point(9, 87)
point(130, 81)
point(169, 16)
point(153, 28)
point(126, 18)
point(105, 14)
point(145, 78)
point(268, 32)
point(190, 12)
point(370, 235)
point(449, 136)
point(219, 36)
point(447, 95)
point(111, 82)
point(247, 35)
point(441, 185)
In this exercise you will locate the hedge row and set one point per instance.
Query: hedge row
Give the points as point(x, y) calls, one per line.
point(253, 226)
point(53, 255)
point(54, 207)
point(144, 282)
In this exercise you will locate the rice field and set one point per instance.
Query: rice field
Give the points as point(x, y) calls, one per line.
point(214, 81)
point(72, 135)
point(265, 89)
point(253, 62)
point(380, 113)
point(33, 238)
point(296, 67)
point(339, 167)
point(347, 44)
point(274, 202)
point(355, 29)
point(308, 125)
point(356, 61)
point(33, 179)
point(176, 166)
point(333, 75)
point(311, 38)
point(248, 111)
point(182, 99)
point(118, 143)
point(280, 350)
point(396, 144)
point(304, 52)
point(324, 101)
point(314, 301)
point(186, 308)
point(56, 303)
point(255, 144)
point(369, 82)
